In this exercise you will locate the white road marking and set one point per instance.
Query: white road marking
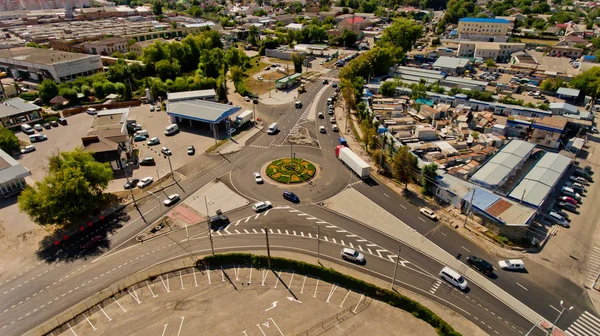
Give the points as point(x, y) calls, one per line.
point(518, 284)
point(466, 249)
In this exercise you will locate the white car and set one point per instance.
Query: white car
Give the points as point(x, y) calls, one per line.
point(512, 264)
point(428, 213)
point(166, 151)
point(246, 98)
point(38, 127)
point(322, 129)
point(258, 178)
point(261, 206)
point(260, 78)
point(153, 141)
point(335, 128)
point(353, 255)
point(91, 111)
point(146, 181)
point(151, 108)
point(172, 199)
point(28, 149)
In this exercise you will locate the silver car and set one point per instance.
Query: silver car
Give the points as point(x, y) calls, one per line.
point(353, 255)
point(258, 178)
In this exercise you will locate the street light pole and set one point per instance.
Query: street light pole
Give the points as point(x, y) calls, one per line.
point(212, 248)
point(318, 243)
point(396, 266)
point(469, 208)
point(559, 315)
point(170, 166)
point(268, 249)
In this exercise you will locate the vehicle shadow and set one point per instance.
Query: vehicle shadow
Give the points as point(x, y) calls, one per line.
point(88, 240)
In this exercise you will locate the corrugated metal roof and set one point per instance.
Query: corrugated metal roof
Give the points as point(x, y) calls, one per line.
point(201, 110)
point(14, 169)
point(483, 199)
point(450, 62)
point(503, 163)
point(568, 92)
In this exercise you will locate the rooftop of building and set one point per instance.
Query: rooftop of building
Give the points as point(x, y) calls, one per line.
point(483, 20)
point(555, 122)
point(201, 110)
point(14, 106)
point(108, 40)
point(503, 163)
point(10, 168)
point(189, 95)
point(451, 62)
point(41, 56)
point(568, 92)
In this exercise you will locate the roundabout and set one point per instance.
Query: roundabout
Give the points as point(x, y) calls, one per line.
point(287, 170)
point(314, 175)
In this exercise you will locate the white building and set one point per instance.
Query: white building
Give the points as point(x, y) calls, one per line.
point(498, 51)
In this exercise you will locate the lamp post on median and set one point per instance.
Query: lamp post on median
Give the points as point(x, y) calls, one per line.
point(559, 315)
point(212, 248)
point(396, 266)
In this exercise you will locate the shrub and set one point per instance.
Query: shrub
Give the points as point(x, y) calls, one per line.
point(28, 96)
point(302, 170)
point(329, 275)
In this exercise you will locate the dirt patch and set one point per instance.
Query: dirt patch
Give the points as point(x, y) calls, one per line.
point(302, 138)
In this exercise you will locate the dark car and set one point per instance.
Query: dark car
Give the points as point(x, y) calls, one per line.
point(92, 242)
point(334, 85)
point(147, 161)
point(290, 196)
point(191, 150)
point(46, 126)
point(480, 264)
point(131, 183)
point(568, 206)
point(63, 121)
point(53, 123)
point(219, 221)
point(325, 81)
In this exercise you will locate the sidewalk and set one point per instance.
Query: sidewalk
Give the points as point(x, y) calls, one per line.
point(236, 144)
point(371, 214)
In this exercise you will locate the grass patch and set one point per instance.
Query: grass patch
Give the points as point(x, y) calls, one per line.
point(214, 147)
point(291, 170)
point(329, 275)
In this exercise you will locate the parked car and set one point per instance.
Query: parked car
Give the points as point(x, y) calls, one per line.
point(512, 264)
point(579, 179)
point(332, 120)
point(131, 183)
point(335, 128)
point(353, 255)
point(573, 194)
point(588, 170)
point(146, 181)
point(153, 141)
point(38, 127)
point(91, 111)
point(334, 85)
point(480, 264)
point(267, 68)
point(151, 108)
point(578, 187)
point(63, 121)
point(567, 199)
point(137, 127)
point(577, 173)
point(246, 98)
point(567, 206)
point(172, 199)
point(428, 213)
point(261, 206)
point(257, 178)
point(147, 161)
point(260, 78)
point(46, 126)
point(558, 219)
point(191, 150)
point(139, 138)
point(53, 123)
point(28, 149)
point(290, 196)
point(166, 151)
point(92, 242)
point(322, 129)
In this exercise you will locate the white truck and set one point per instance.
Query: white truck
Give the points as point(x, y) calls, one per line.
point(353, 161)
point(242, 118)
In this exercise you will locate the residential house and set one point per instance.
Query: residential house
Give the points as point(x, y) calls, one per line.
point(565, 51)
point(547, 131)
point(108, 138)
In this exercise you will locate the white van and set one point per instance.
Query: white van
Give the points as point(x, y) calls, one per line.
point(453, 277)
point(172, 129)
point(27, 129)
point(272, 129)
point(143, 133)
point(37, 138)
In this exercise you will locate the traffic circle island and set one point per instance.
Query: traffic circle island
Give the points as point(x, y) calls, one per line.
point(291, 170)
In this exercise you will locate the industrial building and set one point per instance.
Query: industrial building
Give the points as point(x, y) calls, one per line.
point(496, 171)
point(483, 29)
point(12, 175)
point(39, 64)
point(540, 181)
point(451, 65)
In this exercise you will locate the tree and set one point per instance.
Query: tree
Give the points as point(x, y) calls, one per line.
point(253, 35)
point(166, 69)
point(490, 63)
point(402, 33)
point(48, 90)
point(404, 165)
point(236, 74)
point(157, 8)
point(588, 82)
point(348, 38)
point(298, 60)
point(428, 176)
point(70, 192)
point(388, 89)
point(418, 90)
point(8, 141)
point(69, 94)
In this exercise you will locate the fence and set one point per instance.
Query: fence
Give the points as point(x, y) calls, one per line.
point(329, 323)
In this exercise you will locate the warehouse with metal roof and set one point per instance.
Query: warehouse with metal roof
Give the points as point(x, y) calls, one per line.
point(540, 181)
point(496, 171)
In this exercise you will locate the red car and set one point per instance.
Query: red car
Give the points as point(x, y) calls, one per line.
point(92, 242)
point(567, 199)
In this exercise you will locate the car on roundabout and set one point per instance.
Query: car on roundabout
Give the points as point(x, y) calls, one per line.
point(257, 178)
point(261, 206)
point(290, 196)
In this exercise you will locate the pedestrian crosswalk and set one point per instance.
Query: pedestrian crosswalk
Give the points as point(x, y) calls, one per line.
point(586, 324)
point(435, 286)
point(593, 266)
point(354, 183)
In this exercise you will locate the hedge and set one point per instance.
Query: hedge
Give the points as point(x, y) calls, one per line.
point(329, 275)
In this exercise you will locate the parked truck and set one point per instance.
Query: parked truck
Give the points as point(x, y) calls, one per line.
point(242, 118)
point(355, 163)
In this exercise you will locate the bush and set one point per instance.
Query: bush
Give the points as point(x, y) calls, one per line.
point(291, 171)
point(28, 96)
point(329, 275)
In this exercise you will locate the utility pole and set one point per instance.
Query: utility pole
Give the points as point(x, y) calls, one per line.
point(212, 248)
point(559, 315)
point(318, 243)
point(171, 166)
point(268, 249)
point(469, 208)
point(396, 267)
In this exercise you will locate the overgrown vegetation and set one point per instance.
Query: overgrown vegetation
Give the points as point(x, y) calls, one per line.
point(329, 275)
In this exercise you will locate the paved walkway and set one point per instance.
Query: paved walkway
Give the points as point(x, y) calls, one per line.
point(237, 143)
point(371, 214)
point(215, 196)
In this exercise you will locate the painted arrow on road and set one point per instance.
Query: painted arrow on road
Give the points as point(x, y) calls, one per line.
point(273, 305)
point(293, 300)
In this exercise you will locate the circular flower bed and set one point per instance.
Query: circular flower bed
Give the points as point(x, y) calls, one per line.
point(291, 170)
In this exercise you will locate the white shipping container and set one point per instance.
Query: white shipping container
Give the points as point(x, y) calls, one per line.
point(354, 162)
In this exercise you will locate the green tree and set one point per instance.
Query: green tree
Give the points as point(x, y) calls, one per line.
point(236, 74)
point(388, 89)
point(166, 69)
point(490, 63)
point(69, 94)
point(8, 141)
point(348, 38)
point(99, 89)
point(253, 35)
point(48, 90)
point(157, 8)
point(70, 192)
point(404, 165)
point(418, 90)
point(428, 176)
point(402, 33)
point(588, 82)
point(298, 60)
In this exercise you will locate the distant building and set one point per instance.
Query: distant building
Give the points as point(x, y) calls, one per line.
point(38, 64)
point(548, 130)
point(565, 51)
point(354, 24)
point(425, 133)
point(138, 47)
point(106, 47)
point(483, 29)
point(568, 94)
point(496, 172)
point(16, 111)
point(498, 51)
point(12, 175)
point(451, 65)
